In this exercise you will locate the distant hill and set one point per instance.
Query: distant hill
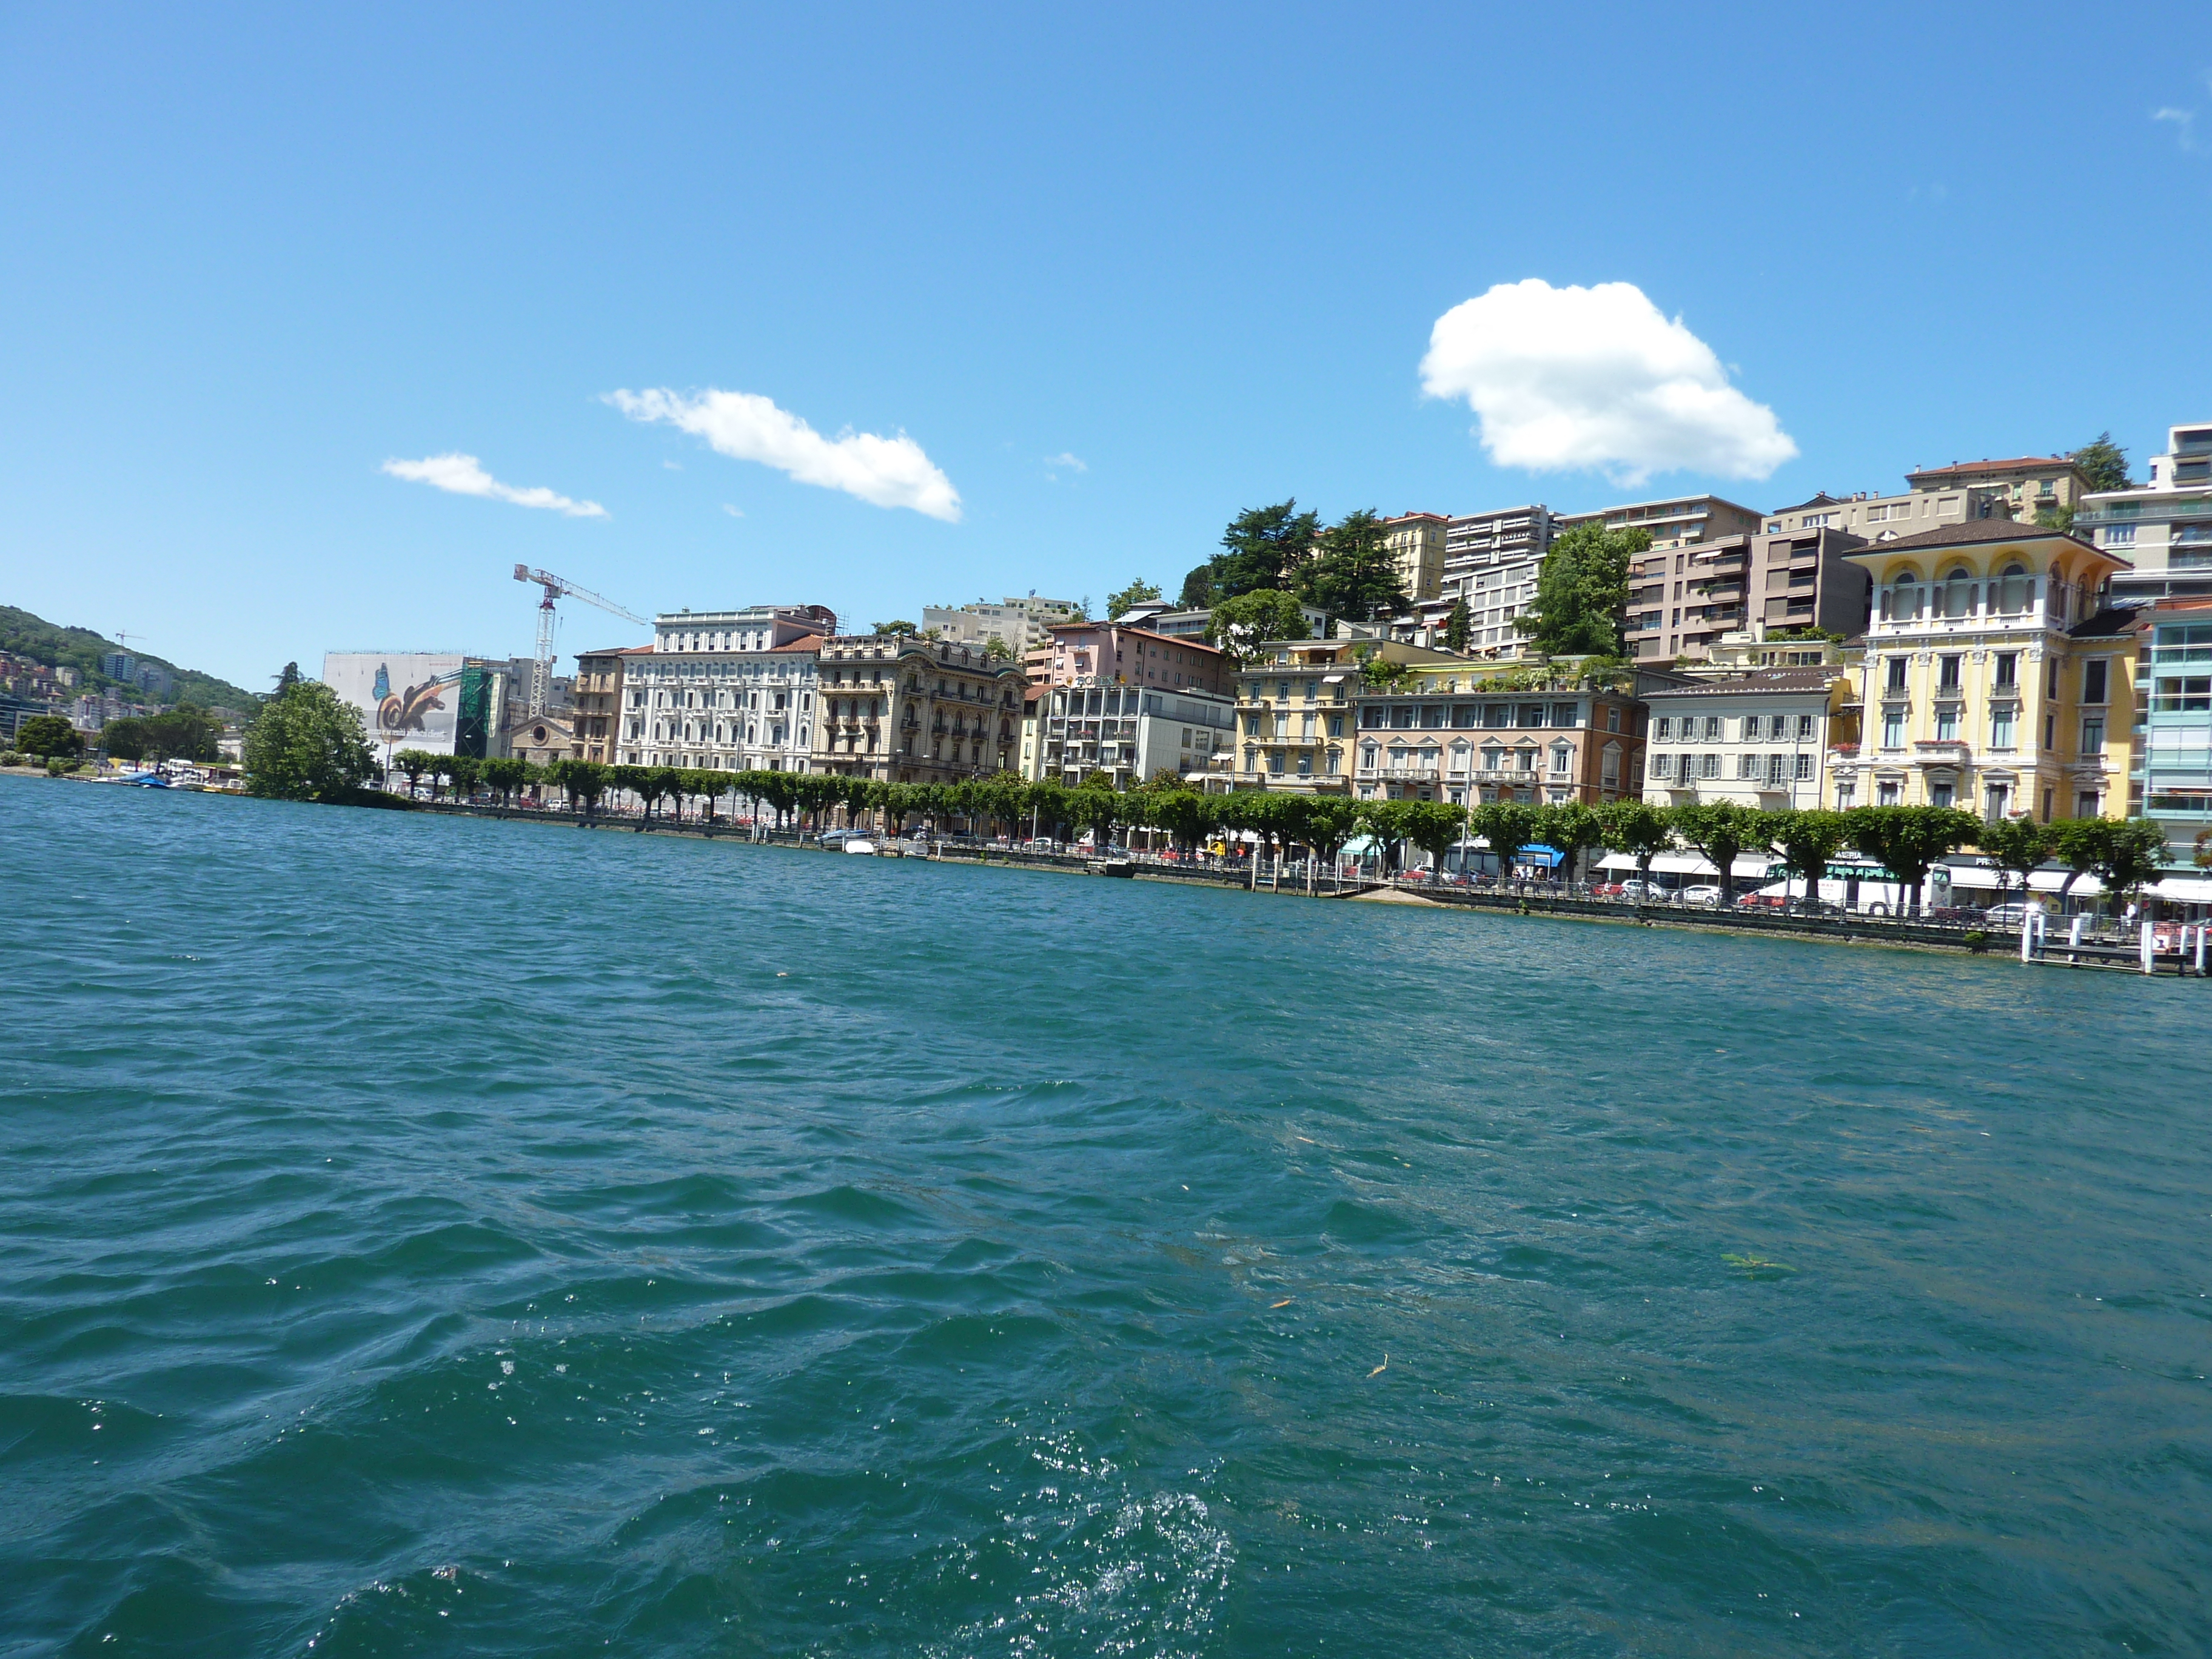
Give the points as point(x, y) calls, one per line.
point(80, 648)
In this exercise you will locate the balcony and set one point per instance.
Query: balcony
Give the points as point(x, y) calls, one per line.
point(1943, 752)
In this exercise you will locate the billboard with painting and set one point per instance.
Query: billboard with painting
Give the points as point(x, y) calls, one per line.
point(407, 699)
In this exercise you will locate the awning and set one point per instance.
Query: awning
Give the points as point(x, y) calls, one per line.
point(2041, 881)
point(1748, 867)
point(2182, 890)
point(1331, 680)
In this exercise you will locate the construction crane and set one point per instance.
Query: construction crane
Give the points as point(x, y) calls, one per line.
point(541, 674)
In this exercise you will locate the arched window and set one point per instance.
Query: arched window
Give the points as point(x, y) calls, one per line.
point(1900, 596)
point(1959, 593)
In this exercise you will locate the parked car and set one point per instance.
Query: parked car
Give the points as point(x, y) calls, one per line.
point(1703, 896)
point(1760, 902)
point(1973, 912)
point(2005, 915)
point(1643, 893)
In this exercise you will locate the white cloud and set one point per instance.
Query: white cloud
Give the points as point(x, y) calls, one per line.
point(1066, 462)
point(886, 472)
point(2185, 125)
point(673, 467)
point(734, 512)
point(1566, 378)
point(462, 475)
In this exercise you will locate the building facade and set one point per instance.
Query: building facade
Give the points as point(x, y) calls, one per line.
point(1297, 715)
point(1491, 560)
point(1442, 733)
point(725, 690)
point(1415, 542)
point(2172, 781)
point(1758, 739)
point(1684, 602)
point(2019, 487)
point(909, 710)
point(1019, 625)
point(1996, 676)
point(1130, 733)
point(1111, 654)
point(596, 722)
point(2164, 529)
point(1681, 521)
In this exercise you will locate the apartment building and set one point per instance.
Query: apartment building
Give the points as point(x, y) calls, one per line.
point(2172, 782)
point(1448, 733)
point(596, 717)
point(910, 710)
point(1415, 542)
point(1491, 560)
point(1758, 740)
point(2164, 528)
point(1879, 518)
point(1681, 521)
point(1114, 654)
point(1296, 715)
point(1684, 599)
point(1018, 624)
point(729, 691)
point(1129, 733)
point(1996, 678)
point(2018, 488)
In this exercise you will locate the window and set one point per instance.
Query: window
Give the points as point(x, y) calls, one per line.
point(1947, 673)
point(1663, 730)
point(1778, 770)
point(2008, 669)
point(1660, 765)
point(2093, 735)
point(1802, 767)
point(1746, 766)
point(1805, 728)
point(1712, 728)
point(1886, 792)
point(1560, 753)
point(2094, 675)
point(2085, 804)
point(2119, 535)
point(1958, 593)
point(1939, 794)
point(1894, 671)
point(2176, 696)
point(1612, 718)
point(1709, 766)
point(1893, 728)
point(2001, 720)
point(1947, 722)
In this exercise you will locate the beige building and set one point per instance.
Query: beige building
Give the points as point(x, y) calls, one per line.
point(596, 720)
point(1456, 734)
point(1996, 676)
point(1681, 521)
point(910, 710)
point(1683, 603)
point(2164, 527)
point(1416, 545)
point(1296, 714)
point(1491, 560)
point(2019, 487)
point(1019, 625)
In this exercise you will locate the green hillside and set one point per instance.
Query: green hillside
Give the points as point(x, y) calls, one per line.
point(80, 648)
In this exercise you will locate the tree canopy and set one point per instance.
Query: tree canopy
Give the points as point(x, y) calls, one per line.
point(49, 734)
point(308, 745)
point(1139, 592)
point(1263, 547)
point(184, 733)
point(1241, 625)
point(2104, 463)
point(1582, 591)
point(1352, 573)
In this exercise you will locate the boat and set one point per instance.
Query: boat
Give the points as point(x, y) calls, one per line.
point(859, 844)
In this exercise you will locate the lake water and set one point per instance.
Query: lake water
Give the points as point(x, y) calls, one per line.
point(437, 1237)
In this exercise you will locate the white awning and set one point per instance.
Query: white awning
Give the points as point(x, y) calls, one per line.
point(2040, 881)
point(1330, 679)
point(2182, 890)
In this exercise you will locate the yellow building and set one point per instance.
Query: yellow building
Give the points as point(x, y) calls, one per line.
point(1295, 719)
point(1415, 542)
point(1996, 679)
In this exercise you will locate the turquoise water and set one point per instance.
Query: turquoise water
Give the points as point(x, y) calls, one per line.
point(437, 1237)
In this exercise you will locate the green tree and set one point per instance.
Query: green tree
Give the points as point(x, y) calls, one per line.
point(1808, 838)
point(1907, 841)
point(1262, 548)
point(1435, 827)
point(2017, 846)
point(49, 735)
point(308, 745)
point(1331, 821)
point(1582, 591)
point(1455, 626)
point(1637, 829)
point(995, 650)
point(465, 771)
point(1570, 829)
point(2133, 852)
point(2103, 463)
point(1353, 573)
point(1241, 625)
point(585, 781)
point(504, 774)
point(1720, 829)
point(415, 764)
point(1139, 592)
point(1386, 823)
point(287, 678)
point(1508, 826)
point(901, 629)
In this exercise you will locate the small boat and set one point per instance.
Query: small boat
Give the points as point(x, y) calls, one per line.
point(1124, 868)
point(859, 844)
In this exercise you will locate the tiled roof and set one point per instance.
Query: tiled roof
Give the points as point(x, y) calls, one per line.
point(1778, 680)
point(2017, 463)
point(804, 643)
point(1969, 532)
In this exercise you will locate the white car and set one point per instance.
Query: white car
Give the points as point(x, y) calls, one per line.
point(1707, 898)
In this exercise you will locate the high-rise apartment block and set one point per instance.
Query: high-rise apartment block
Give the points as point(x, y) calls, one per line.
point(1491, 560)
point(1680, 522)
point(2164, 528)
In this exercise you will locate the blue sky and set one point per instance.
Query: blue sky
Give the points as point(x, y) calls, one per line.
point(251, 255)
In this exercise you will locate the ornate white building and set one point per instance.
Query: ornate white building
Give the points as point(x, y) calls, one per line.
point(727, 690)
